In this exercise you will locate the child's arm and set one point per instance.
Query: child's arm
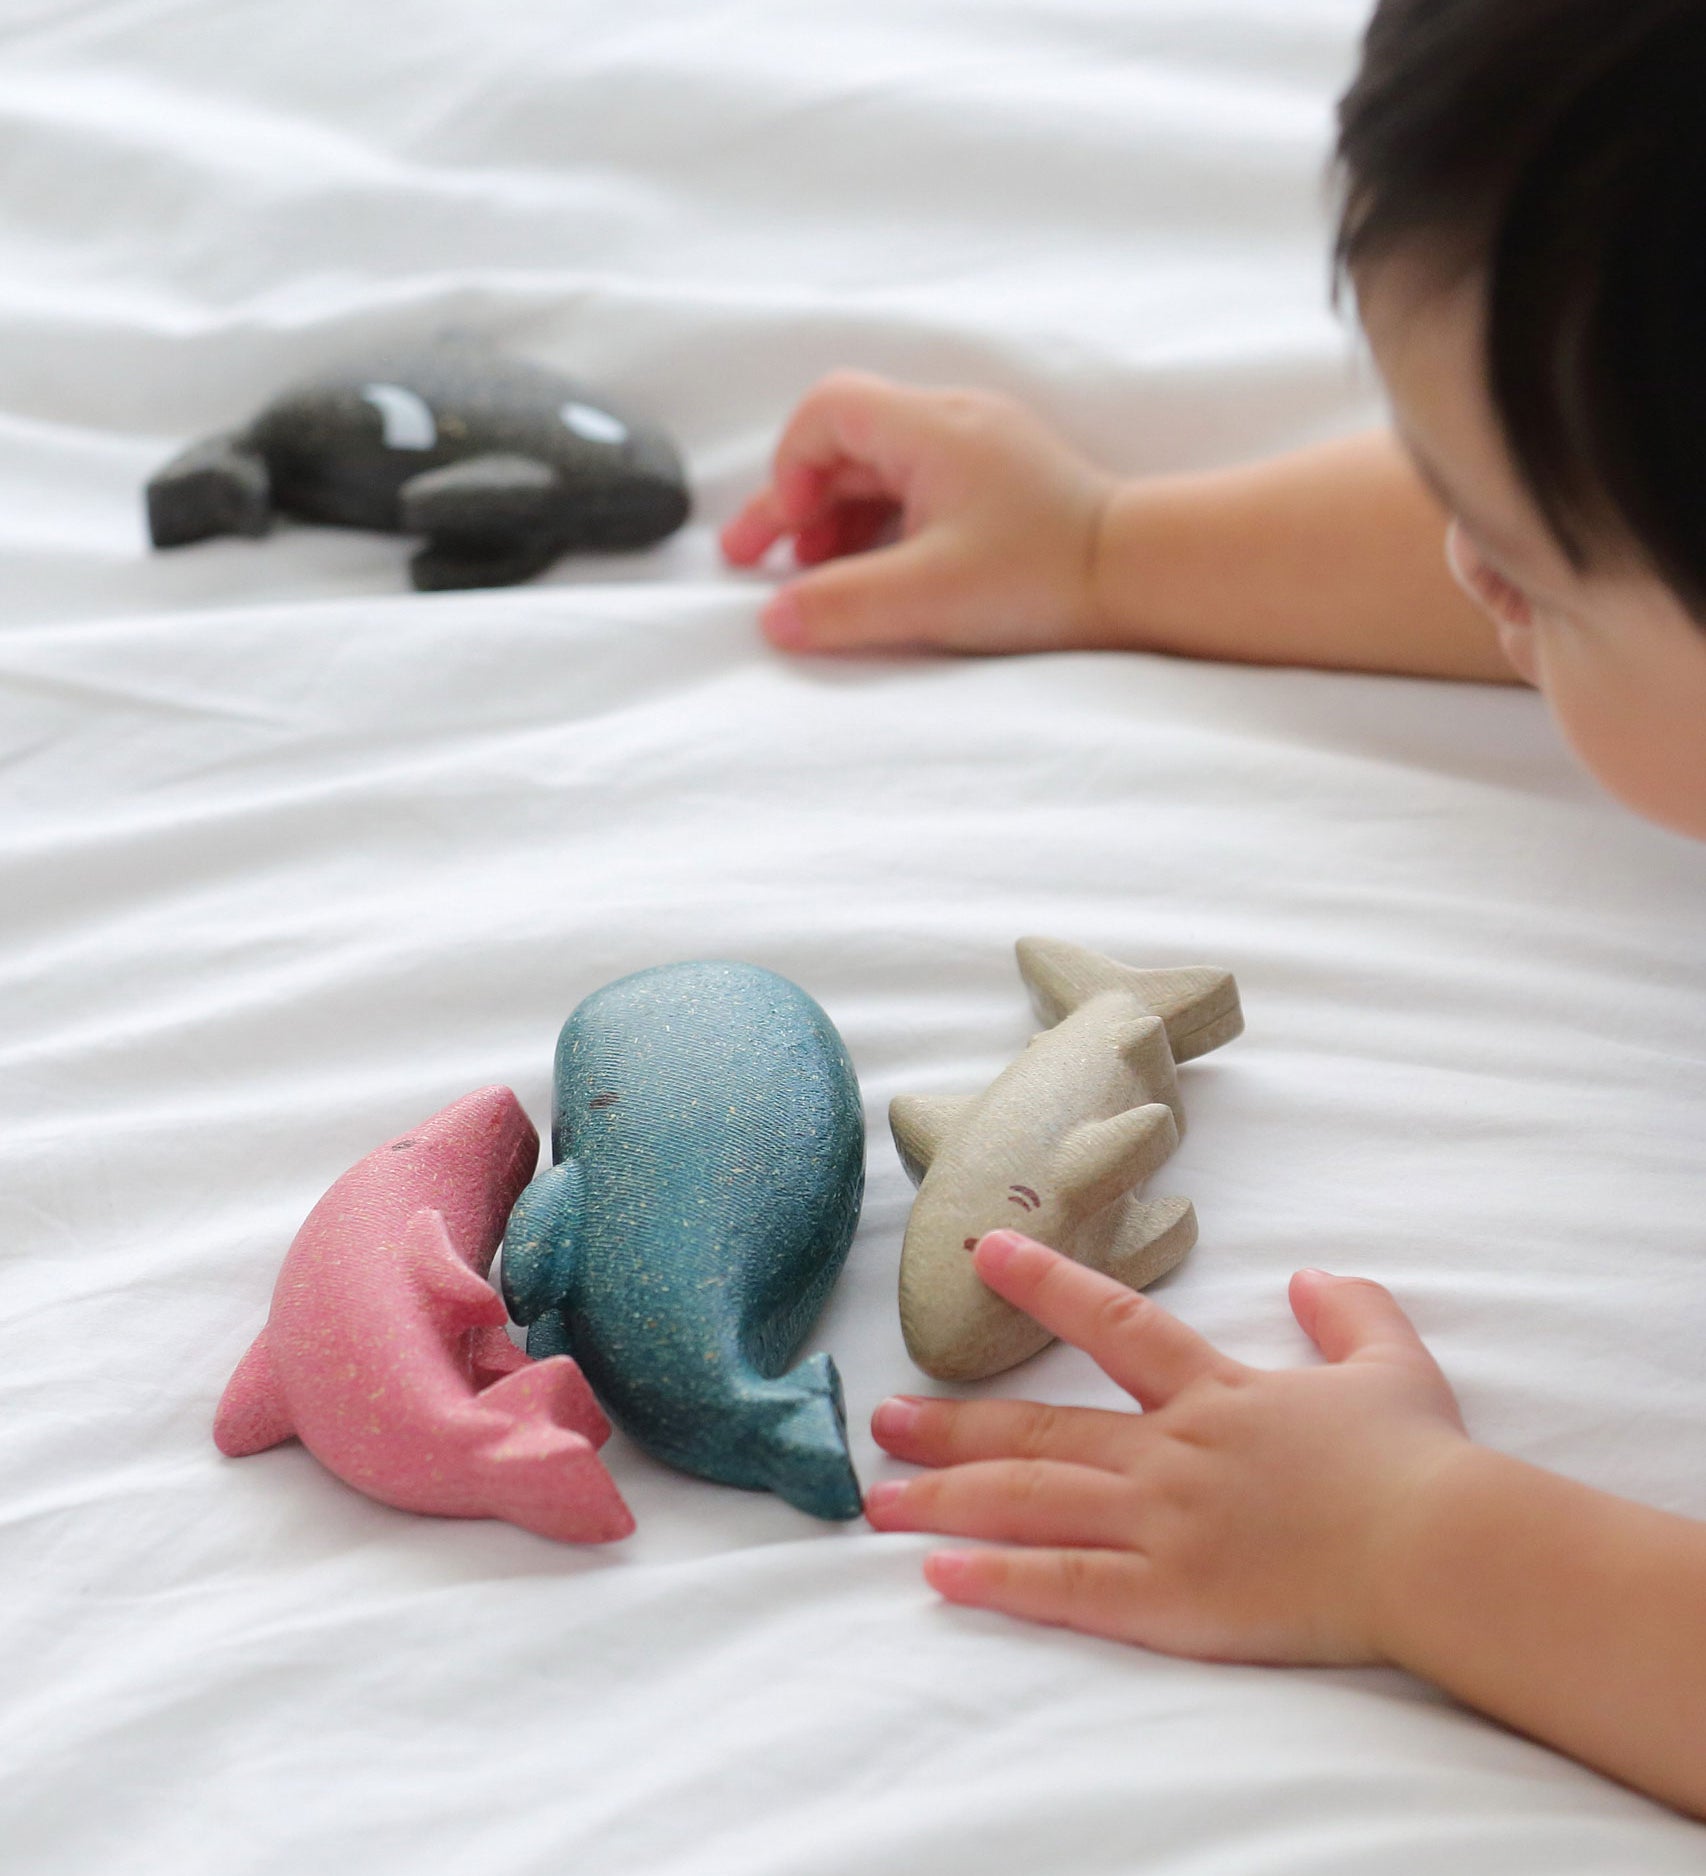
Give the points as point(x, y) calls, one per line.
point(988, 533)
point(1337, 1514)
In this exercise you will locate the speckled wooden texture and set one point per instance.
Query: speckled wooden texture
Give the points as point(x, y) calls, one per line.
point(710, 1149)
point(1055, 1146)
point(385, 1351)
point(502, 463)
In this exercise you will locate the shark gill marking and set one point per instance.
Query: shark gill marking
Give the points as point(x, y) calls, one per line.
point(1024, 1198)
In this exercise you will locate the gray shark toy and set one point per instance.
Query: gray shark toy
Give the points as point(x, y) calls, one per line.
point(503, 464)
point(710, 1159)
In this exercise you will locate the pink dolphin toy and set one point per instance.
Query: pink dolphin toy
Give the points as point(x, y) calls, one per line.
point(385, 1352)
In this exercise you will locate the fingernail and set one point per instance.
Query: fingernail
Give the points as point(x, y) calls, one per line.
point(948, 1570)
point(783, 622)
point(996, 1250)
point(895, 1419)
point(1312, 1271)
point(881, 1500)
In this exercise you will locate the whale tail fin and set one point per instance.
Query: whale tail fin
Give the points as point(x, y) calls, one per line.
point(1198, 1003)
point(543, 1475)
point(802, 1451)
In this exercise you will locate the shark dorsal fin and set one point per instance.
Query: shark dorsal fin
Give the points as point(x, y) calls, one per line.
point(1198, 1003)
point(920, 1123)
point(1102, 1160)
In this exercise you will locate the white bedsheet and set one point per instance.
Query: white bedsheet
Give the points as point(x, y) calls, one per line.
point(289, 857)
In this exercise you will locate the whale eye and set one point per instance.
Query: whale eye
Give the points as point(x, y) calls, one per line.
point(604, 1100)
point(971, 1244)
point(401, 1146)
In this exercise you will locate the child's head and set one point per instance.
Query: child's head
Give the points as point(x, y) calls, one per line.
point(1524, 220)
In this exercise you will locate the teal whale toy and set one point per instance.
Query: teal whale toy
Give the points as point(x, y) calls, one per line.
point(710, 1160)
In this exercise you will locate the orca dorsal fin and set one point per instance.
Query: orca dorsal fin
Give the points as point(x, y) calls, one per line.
point(1102, 1160)
point(252, 1414)
point(920, 1123)
point(456, 1296)
point(1197, 1002)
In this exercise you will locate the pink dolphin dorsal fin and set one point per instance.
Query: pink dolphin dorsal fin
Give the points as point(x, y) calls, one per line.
point(252, 1413)
point(458, 1299)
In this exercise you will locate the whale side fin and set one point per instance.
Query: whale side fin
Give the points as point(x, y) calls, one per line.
point(802, 1450)
point(1102, 1160)
point(252, 1414)
point(1198, 1003)
point(1154, 1236)
point(539, 1243)
point(920, 1123)
point(457, 1298)
point(554, 1390)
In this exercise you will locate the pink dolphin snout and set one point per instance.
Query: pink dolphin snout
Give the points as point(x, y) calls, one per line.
point(385, 1351)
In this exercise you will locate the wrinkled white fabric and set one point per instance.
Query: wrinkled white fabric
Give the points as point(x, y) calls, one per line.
point(290, 856)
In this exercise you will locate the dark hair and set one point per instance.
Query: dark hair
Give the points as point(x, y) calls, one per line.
point(1561, 145)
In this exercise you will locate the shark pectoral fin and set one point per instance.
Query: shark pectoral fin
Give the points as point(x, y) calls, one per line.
point(218, 486)
point(456, 1297)
point(252, 1414)
point(1102, 1160)
point(1152, 1238)
point(1198, 1003)
point(920, 1123)
point(538, 1253)
point(481, 497)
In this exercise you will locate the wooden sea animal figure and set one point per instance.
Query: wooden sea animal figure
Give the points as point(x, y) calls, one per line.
point(1055, 1146)
point(710, 1161)
point(385, 1351)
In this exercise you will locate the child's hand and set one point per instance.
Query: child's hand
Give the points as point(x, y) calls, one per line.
point(1243, 1515)
point(991, 524)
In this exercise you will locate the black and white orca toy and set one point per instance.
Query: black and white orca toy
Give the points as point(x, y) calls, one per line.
point(503, 464)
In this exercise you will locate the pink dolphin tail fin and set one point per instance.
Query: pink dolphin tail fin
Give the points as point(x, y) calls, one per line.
point(553, 1390)
point(252, 1414)
point(492, 1355)
point(456, 1297)
point(550, 1482)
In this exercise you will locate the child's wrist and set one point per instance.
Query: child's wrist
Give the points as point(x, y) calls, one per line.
point(1419, 1542)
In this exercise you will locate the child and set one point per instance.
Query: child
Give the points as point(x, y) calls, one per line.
point(1524, 224)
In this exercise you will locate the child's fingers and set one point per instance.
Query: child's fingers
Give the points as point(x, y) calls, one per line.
point(955, 1433)
point(1011, 1501)
point(900, 595)
point(848, 424)
point(1097, 1592)
point(754, 531)
point(1135, 1342)
point(849, 528)
point(1349, 1316)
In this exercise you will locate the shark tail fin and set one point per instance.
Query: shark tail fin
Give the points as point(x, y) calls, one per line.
point(803, 1454)
point(252, 1414)
point(550, 1481)
point(1198, 1003)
